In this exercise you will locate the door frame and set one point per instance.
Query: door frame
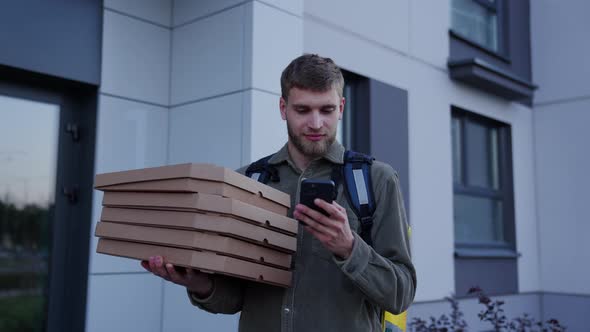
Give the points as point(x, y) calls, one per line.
point(68, 266)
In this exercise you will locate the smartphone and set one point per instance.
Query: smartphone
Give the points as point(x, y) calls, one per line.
point(312, 189)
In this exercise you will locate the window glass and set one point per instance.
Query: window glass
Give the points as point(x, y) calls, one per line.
point(28, 148)
point(482, 151)
point(457, 157)
point(478, 199)
point(478, 220)
point(476, 22)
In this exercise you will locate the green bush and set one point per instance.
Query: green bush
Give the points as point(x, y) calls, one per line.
point(22, 313)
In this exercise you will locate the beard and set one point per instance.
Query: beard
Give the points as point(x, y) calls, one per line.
point(309, 148)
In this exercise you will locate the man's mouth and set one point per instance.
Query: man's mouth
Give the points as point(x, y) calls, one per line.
point(314, 137)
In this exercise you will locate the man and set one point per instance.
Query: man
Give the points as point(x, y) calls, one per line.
point(340, 283)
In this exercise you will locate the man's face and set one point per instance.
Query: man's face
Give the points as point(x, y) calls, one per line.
point(312, 118)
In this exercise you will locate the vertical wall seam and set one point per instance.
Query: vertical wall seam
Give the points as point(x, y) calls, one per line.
point(170, 64)
point(536, 198)
point(162, 288)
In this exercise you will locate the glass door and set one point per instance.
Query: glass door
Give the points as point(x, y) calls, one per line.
point(28, 168)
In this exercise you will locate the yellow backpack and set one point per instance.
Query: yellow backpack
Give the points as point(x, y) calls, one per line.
point(394, 323)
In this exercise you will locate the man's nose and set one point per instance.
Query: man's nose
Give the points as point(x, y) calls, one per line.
point(315, 122)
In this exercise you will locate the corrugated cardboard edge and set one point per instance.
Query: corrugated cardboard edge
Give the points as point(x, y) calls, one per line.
point(202, 222)
point(239, 180)
point(193, 185)
point(195, 170)
point(202, 202)
point(202, 260)
point(194, 240)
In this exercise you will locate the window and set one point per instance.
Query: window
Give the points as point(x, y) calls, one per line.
point(489, 47)
point(483, 199)
point(477, 21)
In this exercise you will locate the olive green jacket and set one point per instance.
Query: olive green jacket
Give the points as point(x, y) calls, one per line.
point(328, 294)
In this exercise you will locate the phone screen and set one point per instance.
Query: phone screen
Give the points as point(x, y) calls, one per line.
point(312, 189)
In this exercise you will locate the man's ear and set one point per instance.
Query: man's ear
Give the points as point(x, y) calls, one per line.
point(283, 107)
point(341, 110)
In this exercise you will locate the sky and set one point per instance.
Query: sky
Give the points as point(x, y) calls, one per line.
point(28, 148)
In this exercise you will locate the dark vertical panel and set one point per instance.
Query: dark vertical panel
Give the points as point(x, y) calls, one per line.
point(519, 41)
point(493, 275)
point(361, 117)
point(389, 130)
point(60, 38)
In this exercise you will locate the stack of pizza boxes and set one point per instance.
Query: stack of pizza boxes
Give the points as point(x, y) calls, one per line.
point(200, 216)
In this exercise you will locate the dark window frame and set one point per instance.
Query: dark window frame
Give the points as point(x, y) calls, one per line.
point(70, 243)
point(499, 9)
point(472, 260)
point(503, 193)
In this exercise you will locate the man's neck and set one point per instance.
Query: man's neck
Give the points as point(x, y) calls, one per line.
point(300, 160)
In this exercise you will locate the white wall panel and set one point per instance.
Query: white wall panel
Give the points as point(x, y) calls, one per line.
point(208, 57)
point(429, 31)
point(189, 10)
point(560, 55)
point(383, 21)
point(181, 316)
point(523, 165)
point(135, 59)
point(294, 7)
point(121, 303)
point(268, 130)
point(277, 38)
point(563, 161)
point(157, 11)
point(207, 132)
point(431, 191)
point(357, 54)
point(130, 135)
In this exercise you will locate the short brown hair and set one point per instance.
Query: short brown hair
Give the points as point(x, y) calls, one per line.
point(312, 72)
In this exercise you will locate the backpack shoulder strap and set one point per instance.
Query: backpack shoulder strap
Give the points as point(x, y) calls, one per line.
point(359, 188)
point(262, 171)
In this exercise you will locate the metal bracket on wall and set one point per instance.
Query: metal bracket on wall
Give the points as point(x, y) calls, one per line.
point(74, 130)
point(71, 193)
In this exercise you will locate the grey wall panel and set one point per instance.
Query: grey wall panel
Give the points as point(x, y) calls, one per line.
point(573, 311)
point(389, 130)
point(60, 38)
point(494, 275)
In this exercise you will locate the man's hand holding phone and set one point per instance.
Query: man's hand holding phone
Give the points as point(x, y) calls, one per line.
point(325, 219)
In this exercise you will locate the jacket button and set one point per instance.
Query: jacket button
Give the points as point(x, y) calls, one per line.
point(287, 310)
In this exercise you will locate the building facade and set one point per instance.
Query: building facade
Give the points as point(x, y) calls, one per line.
point(481, 106)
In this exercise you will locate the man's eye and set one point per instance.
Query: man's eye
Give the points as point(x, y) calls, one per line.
point(328, 110)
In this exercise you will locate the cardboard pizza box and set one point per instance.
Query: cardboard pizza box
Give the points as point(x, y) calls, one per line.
point(203, 203)
point(202, 260)
point(205, 178)
point(194, 240)
point(202, 222)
